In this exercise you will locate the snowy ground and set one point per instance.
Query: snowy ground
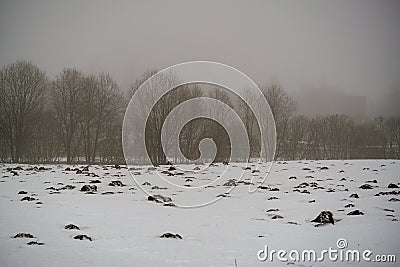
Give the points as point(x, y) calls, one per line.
point(125, 227)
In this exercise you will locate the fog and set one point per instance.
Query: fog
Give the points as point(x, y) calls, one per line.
point(347, 47)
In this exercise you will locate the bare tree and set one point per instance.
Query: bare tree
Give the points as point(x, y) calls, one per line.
point(102, 104)
point(158, 109)
point(215, 130)
point(135, 86)
point(44, 144)
point(22, 88)
point(67, 100)
point(337, 130)
point(299, 142)
point(392, 128)
point(282, 107)
point(250, 123)
point(368, 141)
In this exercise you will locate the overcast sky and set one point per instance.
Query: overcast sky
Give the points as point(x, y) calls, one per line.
point(351, 46)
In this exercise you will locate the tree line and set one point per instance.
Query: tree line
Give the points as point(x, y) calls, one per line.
point(335, 136)
point(77, 117)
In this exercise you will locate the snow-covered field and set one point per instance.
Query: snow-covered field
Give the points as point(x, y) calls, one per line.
point(125, 227)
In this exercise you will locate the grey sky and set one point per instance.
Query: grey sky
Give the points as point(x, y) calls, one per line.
point(352, 46)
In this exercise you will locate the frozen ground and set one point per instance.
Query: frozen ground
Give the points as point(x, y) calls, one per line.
point(125, 227)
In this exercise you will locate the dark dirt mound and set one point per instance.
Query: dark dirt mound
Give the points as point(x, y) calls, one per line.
point(170, 235)
point(388, 193)
point(366, 186)
point(230, 182)
point(324, 217)
point(83, 237)
point(67, 187)
point(35, 243)
point(355, 212)
point(116, 183)
point(89, 188)
point(71, 227)
point(23, 235)
point(28, 199)
point(159, 199)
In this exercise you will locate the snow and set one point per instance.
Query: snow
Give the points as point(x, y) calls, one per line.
point(126, 227)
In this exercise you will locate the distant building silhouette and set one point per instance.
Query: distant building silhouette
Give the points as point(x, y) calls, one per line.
point(312, 102)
